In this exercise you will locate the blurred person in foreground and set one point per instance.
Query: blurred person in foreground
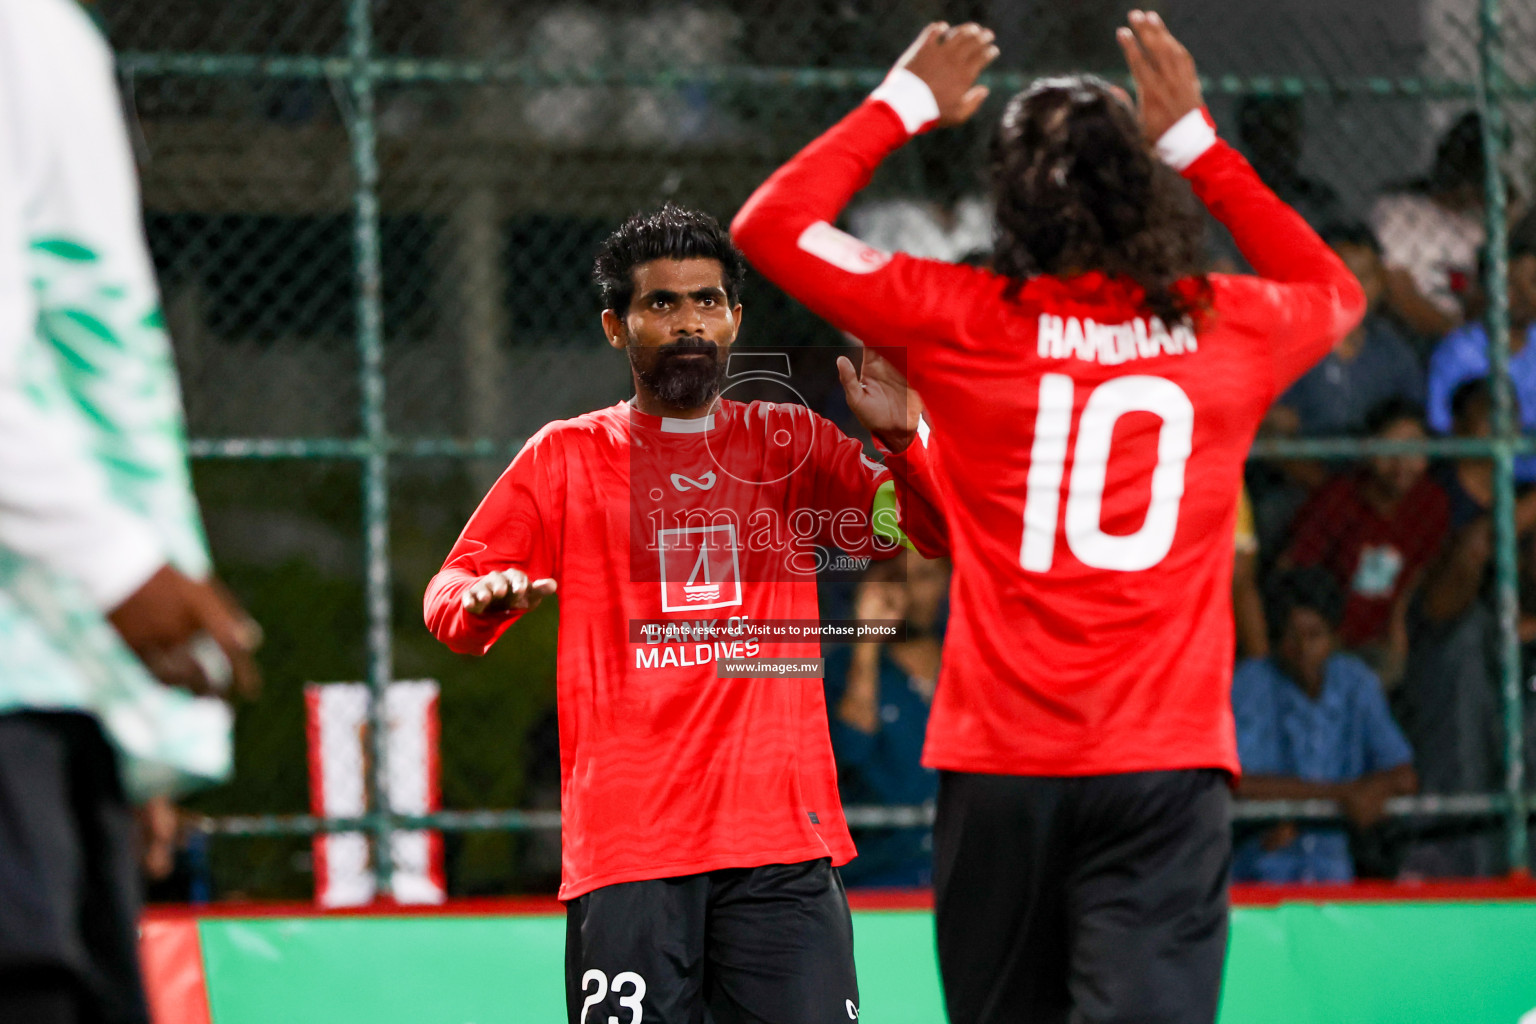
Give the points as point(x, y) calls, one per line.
point(103, 566)
point(1463, 354)
point(1312, 723)
point(1092, 402)
point(878, 695)
point(701, 826)
point(1375, 530)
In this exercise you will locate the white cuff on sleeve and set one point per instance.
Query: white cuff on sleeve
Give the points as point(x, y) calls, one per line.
point(112, 567)
point(1188, 139)
point(910, 97)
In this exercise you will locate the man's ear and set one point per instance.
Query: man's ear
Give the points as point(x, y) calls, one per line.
point(614, 329)
point(736, 319)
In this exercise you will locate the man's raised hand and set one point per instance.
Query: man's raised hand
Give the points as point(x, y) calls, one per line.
point(1167, 86)
point(881, 399)
point(949, 60)
point(505, 591)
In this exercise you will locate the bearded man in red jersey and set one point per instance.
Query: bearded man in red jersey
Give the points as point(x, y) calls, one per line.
point(701, 825)
point(1092, 401)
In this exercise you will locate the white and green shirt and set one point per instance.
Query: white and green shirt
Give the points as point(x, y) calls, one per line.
point(94, 488)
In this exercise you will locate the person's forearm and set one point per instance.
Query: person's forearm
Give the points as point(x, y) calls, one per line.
point(1272, 237)
point(1248, 608)
point(923, 518)
point(444, 613)
point(1525, 513)
point(1399, 781)
point(1286, 787)
point(860, 705)
point(1453, 583)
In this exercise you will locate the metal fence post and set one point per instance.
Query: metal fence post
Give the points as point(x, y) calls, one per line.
point(1506, 431)
point(370, 343)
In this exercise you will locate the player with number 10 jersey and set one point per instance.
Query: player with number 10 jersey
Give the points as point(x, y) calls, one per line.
point(1098, 450)
point(1092, 403)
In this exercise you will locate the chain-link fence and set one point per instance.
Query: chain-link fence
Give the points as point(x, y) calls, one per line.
point(374, 222)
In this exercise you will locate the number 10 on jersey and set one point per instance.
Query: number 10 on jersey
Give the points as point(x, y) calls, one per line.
point(1090, 461)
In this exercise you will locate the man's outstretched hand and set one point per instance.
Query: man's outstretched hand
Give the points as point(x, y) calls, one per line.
point(505, 591)
point(881, 399)
point(190, 633)
point(1167, 86)
point(949, 60)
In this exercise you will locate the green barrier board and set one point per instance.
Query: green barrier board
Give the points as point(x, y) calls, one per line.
point(1434, 963)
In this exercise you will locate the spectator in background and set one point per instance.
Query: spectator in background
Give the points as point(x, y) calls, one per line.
point(878, 696)
point(1449, 699)
point(1374, 531)
point(1312, 723)
point(1431, 230)
point(949, 221)
point(1370, 365)
point(1463, 354)
point(1272, 132)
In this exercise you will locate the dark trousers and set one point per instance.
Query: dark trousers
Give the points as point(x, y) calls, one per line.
point(763, 945)
point(69, 882)
point(1085, 900)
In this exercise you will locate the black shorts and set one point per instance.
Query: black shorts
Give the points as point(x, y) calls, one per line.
point(771, 944)
point(1089, 900)
point(69, 881)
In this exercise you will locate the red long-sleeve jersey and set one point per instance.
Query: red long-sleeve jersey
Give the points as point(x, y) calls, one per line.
point(666, 769)
point(1090, 457)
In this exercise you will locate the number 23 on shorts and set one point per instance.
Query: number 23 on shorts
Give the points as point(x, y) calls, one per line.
point(630, 1002)
point(1085, 494)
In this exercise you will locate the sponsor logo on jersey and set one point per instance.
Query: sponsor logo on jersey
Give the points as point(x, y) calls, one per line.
point(700, 567)
point(703, 483)
point(841, 249)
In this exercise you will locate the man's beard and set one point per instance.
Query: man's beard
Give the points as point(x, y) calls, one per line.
point(676, 377)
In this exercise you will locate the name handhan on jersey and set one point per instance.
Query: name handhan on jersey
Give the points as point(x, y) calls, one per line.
point(1112, 344)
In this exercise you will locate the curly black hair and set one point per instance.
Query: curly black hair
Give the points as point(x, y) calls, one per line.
point(1077, 190)
point(671, 233)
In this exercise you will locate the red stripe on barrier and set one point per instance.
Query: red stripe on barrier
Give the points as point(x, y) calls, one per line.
point(433, 727)
point(317, 845)
point(1472, 890)
point(172, 958)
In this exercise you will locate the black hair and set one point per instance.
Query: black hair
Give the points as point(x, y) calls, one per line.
point(1468, 392)
point(1389, 411)
point(1077, 190)
point(1350, 232)
point(1311, 587)
point(1459, 157)
point(671, 233)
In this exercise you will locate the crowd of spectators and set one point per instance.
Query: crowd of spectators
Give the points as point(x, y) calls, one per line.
point(1363, 594)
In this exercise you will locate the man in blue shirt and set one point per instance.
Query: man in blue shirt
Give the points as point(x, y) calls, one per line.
point(1312, 723)
point(878, 697)
point(1371, 365)
point(1463, 354)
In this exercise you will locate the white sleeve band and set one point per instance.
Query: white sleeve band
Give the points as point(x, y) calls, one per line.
point(123, 568)
point(1188, 139)
point(910, 97)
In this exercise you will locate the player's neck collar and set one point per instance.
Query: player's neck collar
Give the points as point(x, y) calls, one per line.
point(671, 424)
